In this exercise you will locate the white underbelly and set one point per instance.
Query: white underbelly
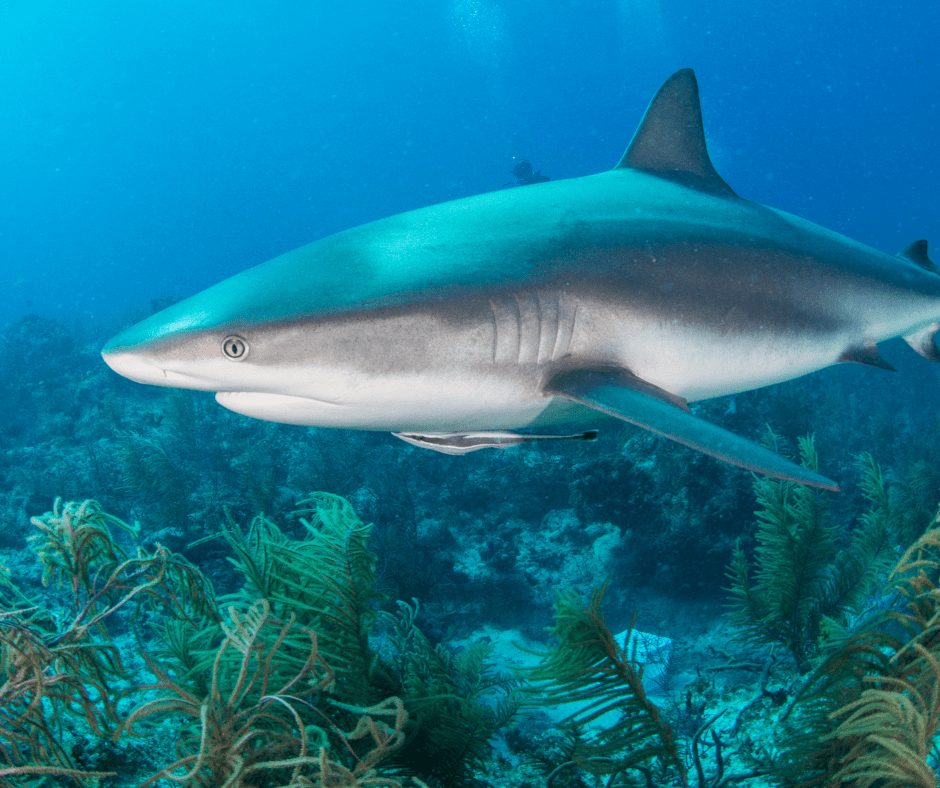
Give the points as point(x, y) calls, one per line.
point(412, 403)
point(696, 368)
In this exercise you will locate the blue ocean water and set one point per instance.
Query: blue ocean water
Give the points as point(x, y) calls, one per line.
point(149, 150)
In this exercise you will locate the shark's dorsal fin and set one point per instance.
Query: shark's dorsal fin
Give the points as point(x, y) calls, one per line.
point(916, 252)
point(670, 141)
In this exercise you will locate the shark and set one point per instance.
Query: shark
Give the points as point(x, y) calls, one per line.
point(472, 324)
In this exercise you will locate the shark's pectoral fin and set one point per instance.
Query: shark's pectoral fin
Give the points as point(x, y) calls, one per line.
point(615, 394)
point(465, 442)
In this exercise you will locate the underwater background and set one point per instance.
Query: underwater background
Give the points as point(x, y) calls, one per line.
point(213, 620)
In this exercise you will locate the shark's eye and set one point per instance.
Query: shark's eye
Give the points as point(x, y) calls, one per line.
point(235, 348)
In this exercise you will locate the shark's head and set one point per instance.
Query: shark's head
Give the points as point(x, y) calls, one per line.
point(281, 367)
point(244, 362)
point(259, 331)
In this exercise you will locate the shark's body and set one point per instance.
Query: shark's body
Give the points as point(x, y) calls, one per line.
point(629, 292)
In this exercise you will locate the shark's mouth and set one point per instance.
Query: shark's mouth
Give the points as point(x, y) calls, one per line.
point(282, 408)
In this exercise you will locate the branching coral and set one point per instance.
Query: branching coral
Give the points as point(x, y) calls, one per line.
point(244, 725)
point(38, 688)
point(57, 664)
point(326, 580)
point(456, 701)
point(247, 732)
point(382, 739)
point(285, 691)
point(149, 472)
point(890, 730)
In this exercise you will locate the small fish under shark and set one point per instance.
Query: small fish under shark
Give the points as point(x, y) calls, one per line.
point(628, 293)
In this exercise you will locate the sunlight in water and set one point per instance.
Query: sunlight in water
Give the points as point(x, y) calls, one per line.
point(641, 24)
point(481, 26)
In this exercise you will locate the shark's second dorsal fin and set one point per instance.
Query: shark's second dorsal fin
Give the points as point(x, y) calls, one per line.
point(670, 141)
point(916, 252)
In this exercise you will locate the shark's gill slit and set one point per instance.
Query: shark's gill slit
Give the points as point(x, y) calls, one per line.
point(516, 318)
point(548, 326)
point(495, 331)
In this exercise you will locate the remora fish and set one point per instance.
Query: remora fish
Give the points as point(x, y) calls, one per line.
point(627, 293)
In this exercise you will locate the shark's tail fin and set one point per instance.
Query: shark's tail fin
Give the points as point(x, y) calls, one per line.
point(923, 339)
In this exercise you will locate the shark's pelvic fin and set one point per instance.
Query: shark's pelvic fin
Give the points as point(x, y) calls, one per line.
point(670, 141)
point(465, 442)
point(866, 353)
point(917, 253)
point(606, 393)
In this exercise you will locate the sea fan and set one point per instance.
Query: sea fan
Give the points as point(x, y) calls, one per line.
point(326, 580)
point(805, 575)
point(870, 712)
point(588, 667)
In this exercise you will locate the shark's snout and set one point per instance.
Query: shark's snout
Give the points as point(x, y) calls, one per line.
point(132, 366)
point(141, 370)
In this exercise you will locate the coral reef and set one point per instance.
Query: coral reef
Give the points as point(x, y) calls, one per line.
point(60, 659)
point(284, 688)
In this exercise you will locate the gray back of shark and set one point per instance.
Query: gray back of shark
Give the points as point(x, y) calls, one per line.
point(628, 293)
